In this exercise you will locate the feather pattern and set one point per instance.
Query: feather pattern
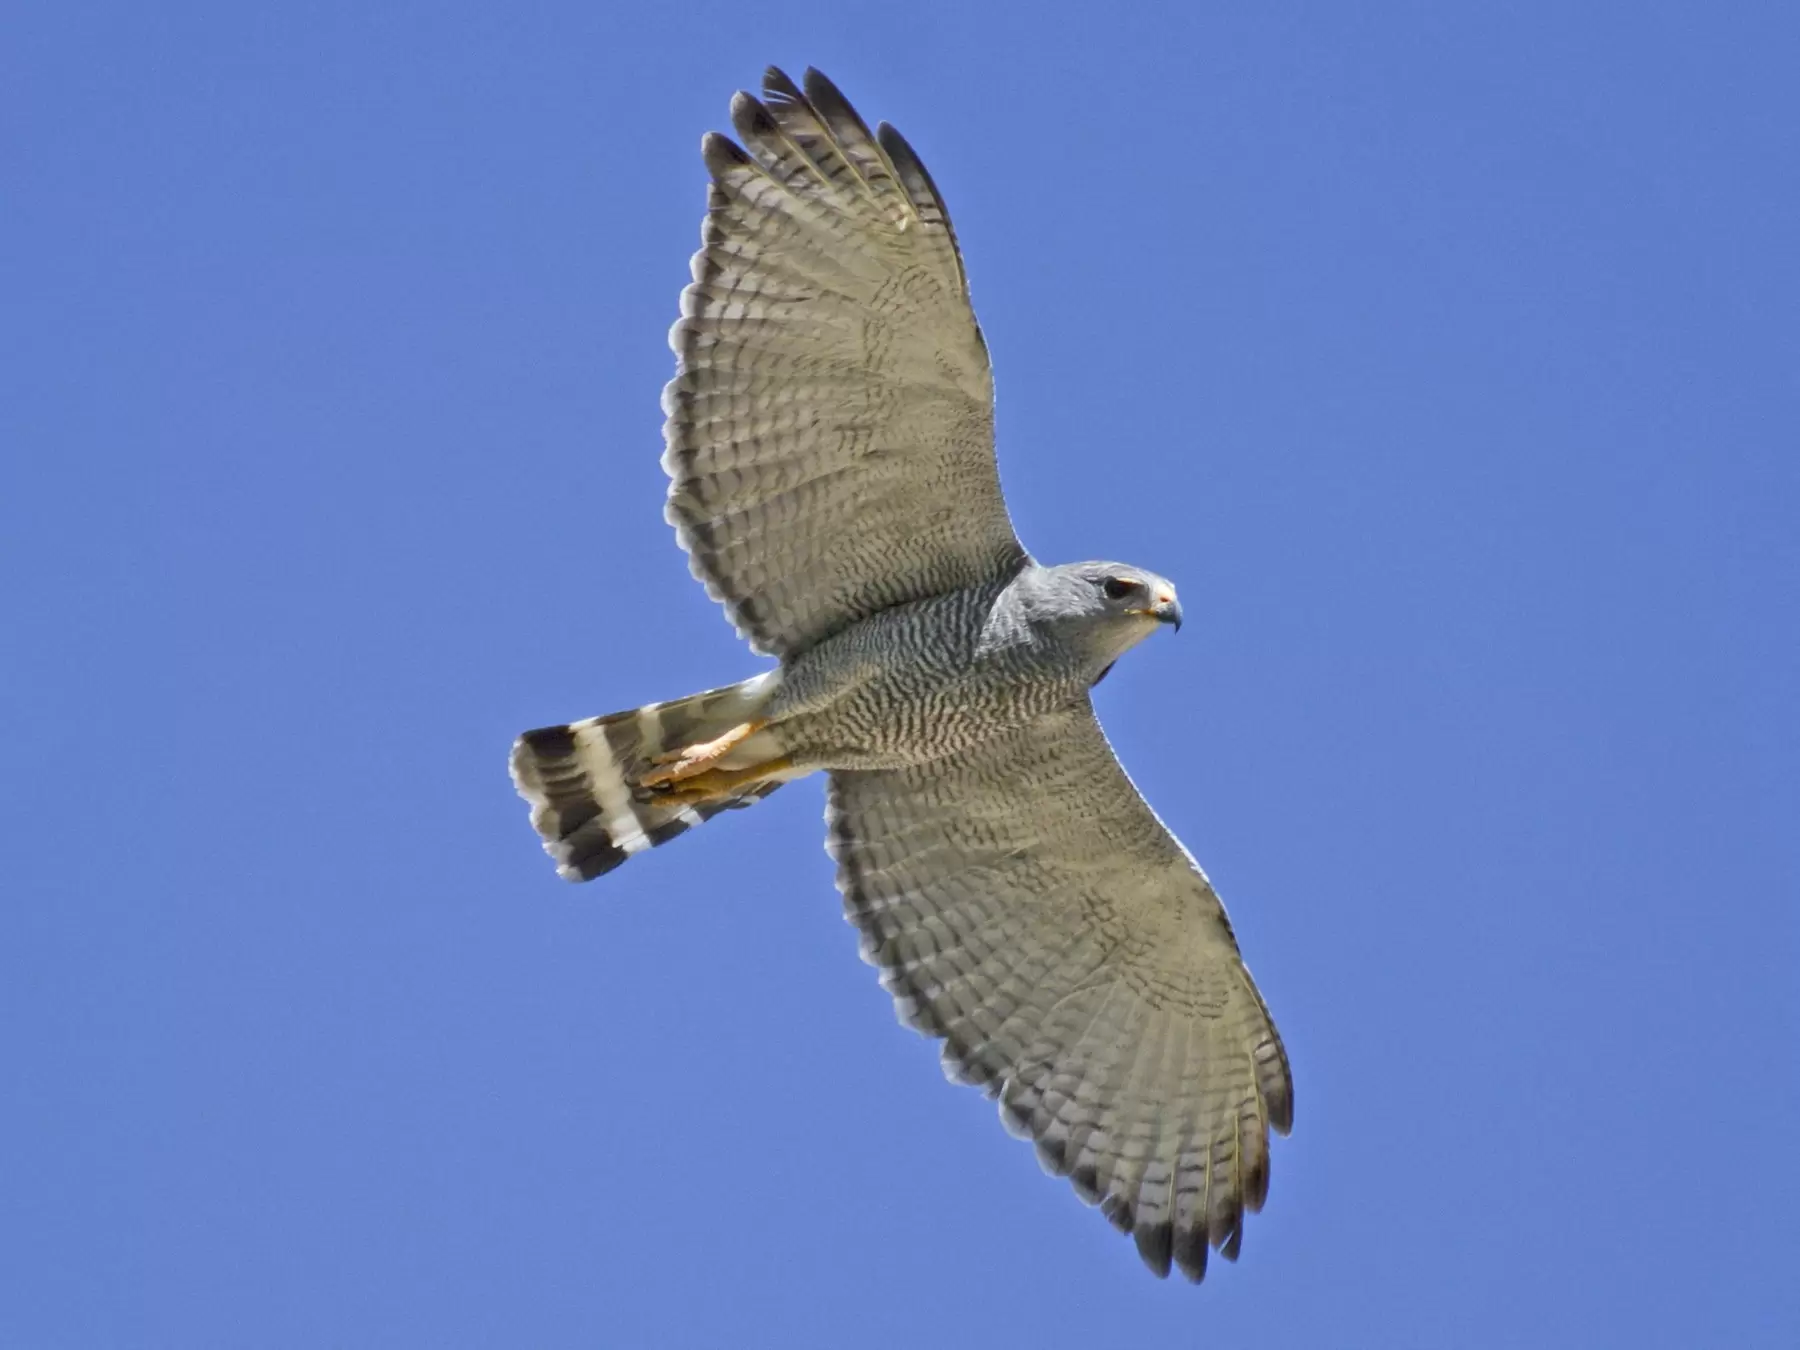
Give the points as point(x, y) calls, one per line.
point(830, 366)
point(829, 444)
point(1079, 967)
point(578, 778)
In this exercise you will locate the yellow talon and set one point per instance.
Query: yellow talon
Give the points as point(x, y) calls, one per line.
point(710, 784)
point(692, 760)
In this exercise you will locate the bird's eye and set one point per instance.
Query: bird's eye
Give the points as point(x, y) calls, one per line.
point(1117, 588)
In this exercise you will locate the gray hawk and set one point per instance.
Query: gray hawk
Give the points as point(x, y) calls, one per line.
point(830, 450)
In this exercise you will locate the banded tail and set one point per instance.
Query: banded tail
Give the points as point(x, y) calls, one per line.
point(582, 780)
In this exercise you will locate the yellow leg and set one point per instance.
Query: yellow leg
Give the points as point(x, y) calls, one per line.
point(692, 760)
point(710, 784)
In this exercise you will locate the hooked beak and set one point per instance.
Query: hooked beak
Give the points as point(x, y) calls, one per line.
point(1167, 609)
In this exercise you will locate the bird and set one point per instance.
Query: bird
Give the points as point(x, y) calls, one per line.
point(829, 443)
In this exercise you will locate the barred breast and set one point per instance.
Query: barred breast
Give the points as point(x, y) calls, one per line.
point(917, 682)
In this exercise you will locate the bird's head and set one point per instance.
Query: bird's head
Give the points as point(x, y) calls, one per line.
point(1105, 608)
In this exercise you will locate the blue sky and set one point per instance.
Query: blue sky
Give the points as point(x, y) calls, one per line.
point(1445, 356)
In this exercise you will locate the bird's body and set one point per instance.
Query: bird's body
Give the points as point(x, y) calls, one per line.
point(931, 678)
point(829, 444)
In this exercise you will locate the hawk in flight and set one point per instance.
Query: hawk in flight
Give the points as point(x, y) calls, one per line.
point(830, 450)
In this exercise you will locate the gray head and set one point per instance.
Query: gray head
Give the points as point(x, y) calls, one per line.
point(1101, 608)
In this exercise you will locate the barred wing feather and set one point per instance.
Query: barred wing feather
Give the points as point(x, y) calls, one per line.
point(1027, 906)
point(829, 433)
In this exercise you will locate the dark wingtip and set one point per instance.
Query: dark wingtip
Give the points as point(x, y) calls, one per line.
point(1281, 1112)
point(777, 85)
point(900, 150)
point(722, 154)
point(1155, 1243)
point(830, 102)
point(1256, 1184)
point(1234, 1244)
point(1119, 1212)
point(1225, 1229)
point(748, 114)
point(1189, 1253)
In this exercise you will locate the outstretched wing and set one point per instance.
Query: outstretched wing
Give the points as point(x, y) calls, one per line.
point(830, 434)
point(1027, 906)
